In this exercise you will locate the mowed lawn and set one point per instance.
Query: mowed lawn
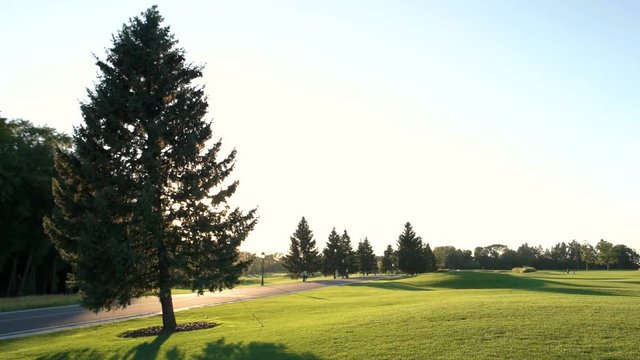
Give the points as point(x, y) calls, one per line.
point(458, 315)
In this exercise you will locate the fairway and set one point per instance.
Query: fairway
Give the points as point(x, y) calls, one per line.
point(468, 314)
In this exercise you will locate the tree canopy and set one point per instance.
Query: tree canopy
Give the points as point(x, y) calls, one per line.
point(142, 198)
point(303, 254)
point(410, 252)
point(366, 258)
point(28, 262)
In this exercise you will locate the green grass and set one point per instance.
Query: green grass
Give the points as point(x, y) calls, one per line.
point(37, 301)
point(474, 315)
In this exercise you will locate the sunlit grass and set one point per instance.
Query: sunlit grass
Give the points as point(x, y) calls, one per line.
point(458, 315)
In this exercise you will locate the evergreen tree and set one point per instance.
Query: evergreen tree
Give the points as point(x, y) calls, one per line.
point(429, 259)
point(410, 252)
point(347, 261)
point(309, 254)
point(303, 254)
point(142, 200)
point(330, 254)
point(388, 260)
point(366, 257)
point(291, 261)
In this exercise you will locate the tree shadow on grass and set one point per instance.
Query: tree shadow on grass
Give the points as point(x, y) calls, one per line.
point(218, 349)
point(147, 350)
point(393, 285)
point(85, 353)
point(497, 280)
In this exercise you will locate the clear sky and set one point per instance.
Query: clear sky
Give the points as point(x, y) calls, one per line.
point(480, 122)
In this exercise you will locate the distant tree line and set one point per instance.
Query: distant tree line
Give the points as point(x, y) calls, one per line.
point(413, 256)
point(562, 256)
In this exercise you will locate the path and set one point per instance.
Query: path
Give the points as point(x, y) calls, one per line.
point(37, 321)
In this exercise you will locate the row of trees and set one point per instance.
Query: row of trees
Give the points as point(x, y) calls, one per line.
point(29, 264)
point(572, 255)
point(338, 257)
point(413, 256)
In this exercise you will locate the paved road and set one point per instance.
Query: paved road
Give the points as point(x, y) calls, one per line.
point(36, 321)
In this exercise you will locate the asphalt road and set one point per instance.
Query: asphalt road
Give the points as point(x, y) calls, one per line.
point(37, 321)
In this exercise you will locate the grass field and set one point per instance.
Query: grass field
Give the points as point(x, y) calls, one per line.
point(470, 315)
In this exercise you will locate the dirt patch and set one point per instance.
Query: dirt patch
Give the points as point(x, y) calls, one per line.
point(157, 330)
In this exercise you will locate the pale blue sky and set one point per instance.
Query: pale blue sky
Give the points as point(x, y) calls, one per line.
point(478, 121)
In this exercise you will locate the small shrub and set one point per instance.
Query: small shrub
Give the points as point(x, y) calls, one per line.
point(524, 269)
point(443, 270)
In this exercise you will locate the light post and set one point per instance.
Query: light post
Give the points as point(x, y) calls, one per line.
point(262, 270)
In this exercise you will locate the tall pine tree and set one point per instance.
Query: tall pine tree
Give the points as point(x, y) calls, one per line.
point(309, 254)
point(366, 258)
point(142, 199)
point(388, 260)
point(410, 252)
point(347, 261)
point(331, 254)
point(303, 254)
point(429, 258)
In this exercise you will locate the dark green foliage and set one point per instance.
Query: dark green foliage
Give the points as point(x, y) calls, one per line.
point(28, 262)
point(366, 258)
point(338, 255)
point(292, 261)
point(303, 254)
point(410, 252)
point(348, 263)
point(310, 256)
point(388, 260)
point(430, 259)
point(626, 258)
point(331, 254)
point(528, 255)
point(142, 200)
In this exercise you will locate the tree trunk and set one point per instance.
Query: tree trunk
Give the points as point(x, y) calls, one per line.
point(54, 275)
point(168, 316)
point(12, 277)
point(24, 275)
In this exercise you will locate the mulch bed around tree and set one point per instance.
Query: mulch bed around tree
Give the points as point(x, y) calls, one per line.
point(157, 330)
